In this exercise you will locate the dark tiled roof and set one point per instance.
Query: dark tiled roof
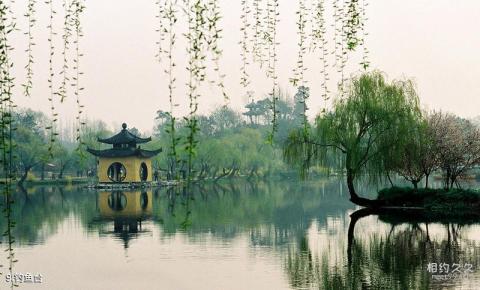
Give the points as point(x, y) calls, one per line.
point(124, 137)
point(124, 152)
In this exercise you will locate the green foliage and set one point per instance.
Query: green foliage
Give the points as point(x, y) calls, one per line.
point(228, 145)
point(54, 115)
point(30, 14)
point(244, 79)
point(215, 35)
point(258, 39)
point(435, 199)
point(319, 41)
point(361, 130)
point(272, 43)
point(78, 8)
point(66, 36)
point(169, 14)
point(410, 156)
point(299, 71)
point(371, 120)
point(365, 62)
point(161, 29)
point(7, 146)
point(352, 24)
point(195, 11)
point(258, 32)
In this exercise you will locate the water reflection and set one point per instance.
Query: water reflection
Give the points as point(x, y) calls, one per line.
point(308, 231)
point(127, 210)
point(396, 255)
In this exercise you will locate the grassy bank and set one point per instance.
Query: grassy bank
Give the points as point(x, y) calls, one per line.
point(454, 200)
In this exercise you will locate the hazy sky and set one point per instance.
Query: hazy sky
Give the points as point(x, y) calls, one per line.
point(434, 42)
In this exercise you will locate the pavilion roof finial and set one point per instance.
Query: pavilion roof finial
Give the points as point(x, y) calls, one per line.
point(124, 137)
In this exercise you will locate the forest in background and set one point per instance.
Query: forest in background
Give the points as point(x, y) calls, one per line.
point(230, 144)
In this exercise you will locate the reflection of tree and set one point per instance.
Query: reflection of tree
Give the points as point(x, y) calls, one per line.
point(39, 211)
point(271, 213)
point(395, 259)
point(300, 265)
point(186, 199)
point(8, 234)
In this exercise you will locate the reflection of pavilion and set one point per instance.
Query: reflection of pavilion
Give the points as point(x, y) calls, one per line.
point(127, 210)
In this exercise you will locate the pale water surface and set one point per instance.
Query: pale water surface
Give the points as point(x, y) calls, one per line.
point(234, 235)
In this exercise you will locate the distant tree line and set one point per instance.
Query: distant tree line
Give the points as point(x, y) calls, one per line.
point(230, 143)
point(32, 154)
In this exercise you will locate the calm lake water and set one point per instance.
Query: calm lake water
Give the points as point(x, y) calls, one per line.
point(237, 235)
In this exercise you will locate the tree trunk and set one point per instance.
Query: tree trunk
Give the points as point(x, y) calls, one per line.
point(389, 179)
point(225, 173)
point(415, 184)
point(354, 217)
point(60, 174)
point(24, 175)
point(447, 180)
point(42, 172)
point(453, 179)
point(354, 196)
point(253, 171)
point(426, 180)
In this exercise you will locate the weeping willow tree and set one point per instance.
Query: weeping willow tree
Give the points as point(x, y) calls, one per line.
point(360, 130)
point(169, 13)
point(259, 44)
point(77, 11)
point(30, 14)
point(51, 53)
point(66, 36)
point(7, 26)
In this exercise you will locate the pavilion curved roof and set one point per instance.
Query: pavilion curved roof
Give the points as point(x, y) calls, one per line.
point(124, 152)
point(124, 137)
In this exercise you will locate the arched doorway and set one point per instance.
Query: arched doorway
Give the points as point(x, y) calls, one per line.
point(116, 172)
point(143, 172)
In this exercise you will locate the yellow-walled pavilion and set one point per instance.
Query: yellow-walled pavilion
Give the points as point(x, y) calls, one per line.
point(125, 162)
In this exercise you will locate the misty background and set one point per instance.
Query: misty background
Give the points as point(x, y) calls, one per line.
point(436, 43)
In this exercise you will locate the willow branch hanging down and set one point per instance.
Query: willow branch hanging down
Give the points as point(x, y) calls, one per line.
point(337, 30)
point(271, 39)
point(352, 24)
point(161, 30)
point(299, 79)
point(342, 45)
point(66, 35)
point(258, 33)
point(7, 25)
point(319, 41)
point(51, 52)
point(365, 62)
point(196, 68)
point(244, 79)
point(78, 8)
point(30, 14)
point(215, 34)
point(299, 71)
point(170, 15)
